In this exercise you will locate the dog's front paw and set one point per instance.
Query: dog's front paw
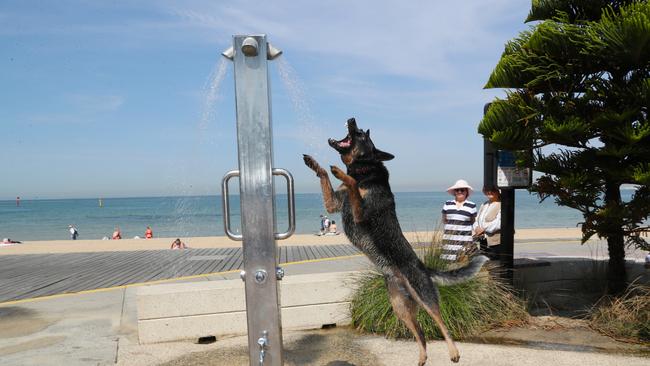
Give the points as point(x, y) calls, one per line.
point(313, 165)
point(342, 176)
point(338, 173)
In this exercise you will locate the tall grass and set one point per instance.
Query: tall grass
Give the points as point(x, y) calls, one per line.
point(467, 309)
point(625, 318)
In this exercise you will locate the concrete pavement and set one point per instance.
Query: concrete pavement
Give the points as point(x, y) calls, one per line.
point(100, 328)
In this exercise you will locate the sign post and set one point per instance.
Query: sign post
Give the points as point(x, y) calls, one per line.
point(500, 170)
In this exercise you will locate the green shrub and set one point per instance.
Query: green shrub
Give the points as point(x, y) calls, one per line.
point(467, 309)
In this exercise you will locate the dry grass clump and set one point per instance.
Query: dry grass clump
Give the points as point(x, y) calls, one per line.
point(626, 317)
point(467, 309)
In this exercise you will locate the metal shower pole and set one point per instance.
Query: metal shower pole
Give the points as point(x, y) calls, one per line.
point(254, 140)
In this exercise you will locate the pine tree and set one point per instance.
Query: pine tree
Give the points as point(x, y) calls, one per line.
point(578, 94)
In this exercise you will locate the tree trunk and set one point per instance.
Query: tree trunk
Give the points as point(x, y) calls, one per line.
point(615, 244)
point(616, 269)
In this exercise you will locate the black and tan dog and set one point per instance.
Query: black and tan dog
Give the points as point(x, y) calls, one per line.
point(370, 222)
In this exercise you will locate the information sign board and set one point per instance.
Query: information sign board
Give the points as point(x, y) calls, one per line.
point(509, 175)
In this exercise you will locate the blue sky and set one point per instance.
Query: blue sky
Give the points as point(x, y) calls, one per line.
point(108, 98)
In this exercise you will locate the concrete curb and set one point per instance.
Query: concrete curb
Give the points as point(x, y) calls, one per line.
point(172, 312)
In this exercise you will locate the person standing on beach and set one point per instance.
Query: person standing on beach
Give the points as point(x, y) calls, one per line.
point(74, 233)
point(148, 234)
point(322, 225)
point(458, 216)
point(487, 228)
point(117, 234)
point(326, 224)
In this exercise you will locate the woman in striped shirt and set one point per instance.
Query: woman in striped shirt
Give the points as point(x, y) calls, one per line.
point(458, 215)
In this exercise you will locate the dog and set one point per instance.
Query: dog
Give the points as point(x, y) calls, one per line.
point(367, 205)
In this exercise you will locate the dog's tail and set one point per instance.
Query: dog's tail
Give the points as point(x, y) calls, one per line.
point(459, 275)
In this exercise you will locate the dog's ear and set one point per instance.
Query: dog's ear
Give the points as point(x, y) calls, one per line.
point(383, 156)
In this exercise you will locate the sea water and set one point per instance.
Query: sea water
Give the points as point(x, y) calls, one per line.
point(202, 215)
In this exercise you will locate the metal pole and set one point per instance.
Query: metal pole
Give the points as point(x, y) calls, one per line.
point(506, 251)
point(506, 255)
point(489, 164)
point(254, 140)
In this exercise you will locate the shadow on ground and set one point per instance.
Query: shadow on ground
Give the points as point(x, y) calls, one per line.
point(19, 321)
point(331, 347)
point(344, 347)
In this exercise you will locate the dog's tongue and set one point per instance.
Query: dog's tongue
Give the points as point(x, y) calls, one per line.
point(345, 143)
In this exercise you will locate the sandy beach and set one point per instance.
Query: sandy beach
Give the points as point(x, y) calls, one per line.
point(79, 246)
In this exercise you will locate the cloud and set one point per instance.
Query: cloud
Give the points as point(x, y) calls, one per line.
point(425, 100)
point(443, 52)
point(391, 64)
point(413, 39)
point(95, 103)
point(409, 39)
point(76, 109)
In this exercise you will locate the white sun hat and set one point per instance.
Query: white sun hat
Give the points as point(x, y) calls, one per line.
point(461, 183)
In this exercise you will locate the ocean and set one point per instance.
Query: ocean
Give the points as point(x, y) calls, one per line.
point(202, 215)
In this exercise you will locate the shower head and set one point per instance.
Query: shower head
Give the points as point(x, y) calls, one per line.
point(250, 48)
point(271, 52)
point(229, 53)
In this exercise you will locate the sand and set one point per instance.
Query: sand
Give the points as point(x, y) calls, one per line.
point(82, 245)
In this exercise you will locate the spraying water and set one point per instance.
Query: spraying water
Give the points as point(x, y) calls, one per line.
point(211, 94)
point(310, 132)
point(181, 223)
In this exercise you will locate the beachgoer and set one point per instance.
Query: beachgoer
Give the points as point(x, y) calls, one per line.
point(322, 225)
point(487, 227)
point(9, 241)
point(148, 234)
point(326, 224)
point(178, 244)
point(332, 228)
point(73, 232)
point(458, 215)
point(117, 234)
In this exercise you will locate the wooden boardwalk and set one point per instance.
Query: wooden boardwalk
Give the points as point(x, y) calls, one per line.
point(35, 275)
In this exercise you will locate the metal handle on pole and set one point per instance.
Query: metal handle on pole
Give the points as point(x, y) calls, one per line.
point(226, 205)
point(290, 201)
point(292, 208)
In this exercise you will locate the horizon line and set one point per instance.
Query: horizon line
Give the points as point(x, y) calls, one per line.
point(170, 196)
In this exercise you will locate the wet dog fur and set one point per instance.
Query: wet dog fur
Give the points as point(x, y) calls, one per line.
point(367, 205)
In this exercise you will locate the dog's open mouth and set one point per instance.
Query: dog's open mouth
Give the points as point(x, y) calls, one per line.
point(341, 145)
point(344, 145)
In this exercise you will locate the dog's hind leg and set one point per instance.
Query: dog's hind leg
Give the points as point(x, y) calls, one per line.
point(434, 311)
point(424, 291)
point(406, 308)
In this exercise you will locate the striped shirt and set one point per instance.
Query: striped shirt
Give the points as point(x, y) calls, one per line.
point(458, 228)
